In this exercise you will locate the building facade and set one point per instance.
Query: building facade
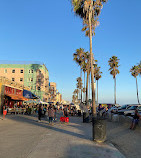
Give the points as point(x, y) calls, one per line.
point(52, 92)
point(54, 95)
point(59, 97)
point(10, 93)
point(34, 76)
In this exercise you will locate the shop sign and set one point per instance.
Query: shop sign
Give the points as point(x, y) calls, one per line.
point(10, 90)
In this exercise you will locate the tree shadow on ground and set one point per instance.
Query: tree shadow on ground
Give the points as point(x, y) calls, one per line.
point(57, 127)
point(91, 151)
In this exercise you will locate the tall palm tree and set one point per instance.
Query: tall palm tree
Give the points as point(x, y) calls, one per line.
point(114, 64)
point(97, 77)
point(76, 92)
point(139, 66)
point(86, 27)
point(88, 10)
point(73, 98)
point(135, 72)
point(75, 95)
point(79, 85)
point(84, 68)
point(88, 74)
point(79, 59)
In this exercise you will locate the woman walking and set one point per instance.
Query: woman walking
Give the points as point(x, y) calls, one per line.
point(50, 114)
point(39, 113)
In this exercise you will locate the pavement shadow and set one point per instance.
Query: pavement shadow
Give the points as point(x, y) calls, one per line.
point(31, 120)
point(80, 150)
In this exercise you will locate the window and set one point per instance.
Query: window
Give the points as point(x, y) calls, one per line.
point(13, 79)
point(30, 79)
point(5, 71)
point(21, 71)
point(13, 71)
point(39, 88)
point(30, 71)
point(21, 79)
point(39, 80)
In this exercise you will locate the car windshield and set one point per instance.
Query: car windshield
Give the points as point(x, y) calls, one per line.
point(132, 107)
point(123, 107)
point(139, 108)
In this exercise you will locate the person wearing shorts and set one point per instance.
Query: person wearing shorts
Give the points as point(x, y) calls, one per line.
point(135, 120)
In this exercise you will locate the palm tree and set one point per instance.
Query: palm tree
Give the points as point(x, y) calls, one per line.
point(73, 98)
point(134, 72)
point(76, 92)
point(97, 77)
point(88, 10)
point(86, 27)
point(84, 67)
point(114, 64)
point(79, 58)
point(79, 85)
point(88, 74)
point(139, 66)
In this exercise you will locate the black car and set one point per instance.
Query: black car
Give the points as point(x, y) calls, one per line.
point(122, 109)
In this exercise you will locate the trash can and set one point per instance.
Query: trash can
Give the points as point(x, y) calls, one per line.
point(99, 129)
point(85, 117)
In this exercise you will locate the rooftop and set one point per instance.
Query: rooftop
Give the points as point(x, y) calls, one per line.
point(20, 62)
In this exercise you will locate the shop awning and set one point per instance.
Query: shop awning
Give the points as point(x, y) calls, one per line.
point(29, 95)
point(16, 97)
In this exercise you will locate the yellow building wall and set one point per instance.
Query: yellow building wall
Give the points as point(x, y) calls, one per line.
point(17, 75)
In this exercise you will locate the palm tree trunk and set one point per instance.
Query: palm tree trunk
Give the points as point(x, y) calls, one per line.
point(137, 91)
point(97, 91)
point(84, 88)
point(77, 96)
point(91, 60)
point(87, 84)
point(115, 89)
point(81, 82)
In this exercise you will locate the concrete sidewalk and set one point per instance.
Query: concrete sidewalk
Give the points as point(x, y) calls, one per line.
point(23, 137)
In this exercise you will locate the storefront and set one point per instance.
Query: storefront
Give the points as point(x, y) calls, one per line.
point(13, 96)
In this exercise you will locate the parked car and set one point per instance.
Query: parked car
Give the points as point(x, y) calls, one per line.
point(130, 110)
point(139, 111)
point(123, 108)
point(113, 109)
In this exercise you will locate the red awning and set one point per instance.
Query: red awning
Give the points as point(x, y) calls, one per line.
point(16, 97)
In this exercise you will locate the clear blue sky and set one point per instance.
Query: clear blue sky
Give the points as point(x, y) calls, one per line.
point(48, 31)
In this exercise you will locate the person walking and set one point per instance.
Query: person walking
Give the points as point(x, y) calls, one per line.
point(135, 120)
point(65, 112)
point(39, 113)
point(50, 114)
point(55, 113)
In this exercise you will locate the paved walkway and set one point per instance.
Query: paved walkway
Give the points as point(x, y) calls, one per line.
point(126, 140)
point(22, 136)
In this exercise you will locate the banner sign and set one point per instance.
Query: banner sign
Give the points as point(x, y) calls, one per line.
point(29, 95)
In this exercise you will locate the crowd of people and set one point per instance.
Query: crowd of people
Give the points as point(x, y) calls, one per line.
point(51, 113)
